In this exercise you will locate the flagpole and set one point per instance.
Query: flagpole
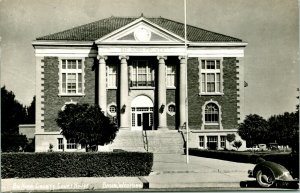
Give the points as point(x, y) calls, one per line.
point(186, 93)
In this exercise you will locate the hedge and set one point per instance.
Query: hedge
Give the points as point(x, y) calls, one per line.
point(79, 164)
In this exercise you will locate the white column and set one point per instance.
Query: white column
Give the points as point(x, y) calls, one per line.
point(102, 83)
point(162, 118)
point(182, 91)
point(124, 118)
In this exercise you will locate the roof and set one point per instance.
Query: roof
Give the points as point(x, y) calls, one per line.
point(98, 29)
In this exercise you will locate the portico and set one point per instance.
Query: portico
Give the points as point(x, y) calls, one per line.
point(138, 77)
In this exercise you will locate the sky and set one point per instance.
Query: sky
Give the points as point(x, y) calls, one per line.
point(270, 27)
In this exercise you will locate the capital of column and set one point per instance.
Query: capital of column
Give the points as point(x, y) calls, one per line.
point(162, 57)
point(181, 57)
point(101, 57)
point(123, 57)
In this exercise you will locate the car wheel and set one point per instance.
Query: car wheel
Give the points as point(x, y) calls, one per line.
point(265, 178)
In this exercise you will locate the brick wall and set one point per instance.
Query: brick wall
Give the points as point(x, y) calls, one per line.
point(53, 103)
point(171, 97)
point(228, 101)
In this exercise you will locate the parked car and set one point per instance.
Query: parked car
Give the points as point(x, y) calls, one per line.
point(262, 147)
point(267, 173)
point(273, 146)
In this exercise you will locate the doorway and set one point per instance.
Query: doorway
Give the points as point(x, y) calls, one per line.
point(142, 113)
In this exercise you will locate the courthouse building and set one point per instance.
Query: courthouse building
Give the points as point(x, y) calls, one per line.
point(136, 69)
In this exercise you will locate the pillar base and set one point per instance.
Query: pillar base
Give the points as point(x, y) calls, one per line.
point(163, 128)
point(124, 128)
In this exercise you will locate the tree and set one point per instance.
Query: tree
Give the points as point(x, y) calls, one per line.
point(30, 116)
point(284, 129)
point(237, 144)
point(86, 124)
point(230, 137)
point(254, 130)
point(12, 114)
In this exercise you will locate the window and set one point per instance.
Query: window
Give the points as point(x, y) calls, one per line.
point(171, 109)
point(171, 76)
point(71, 76)
point(223, 141)
point(112, 76)
point(136, 115)
point(71, 144)
point(201, 141)
point(210, 76)
point(60, 143)
point(212, 142)
point(211, 114)
point(112, 109)
point(142, 74)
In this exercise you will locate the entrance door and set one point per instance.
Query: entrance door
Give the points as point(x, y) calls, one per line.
point(146, 121)
point(142, 120)
point(141, 113)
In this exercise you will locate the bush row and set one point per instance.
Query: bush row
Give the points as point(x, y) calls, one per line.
point(79, 164)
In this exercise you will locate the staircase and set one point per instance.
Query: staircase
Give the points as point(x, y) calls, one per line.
point(165, 141)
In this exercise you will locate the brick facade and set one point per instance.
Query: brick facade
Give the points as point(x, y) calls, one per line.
point(171, 98)
point(228, 101)
point(99, 52)
point(53, 102)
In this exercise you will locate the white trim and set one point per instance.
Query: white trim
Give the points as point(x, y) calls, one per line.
point(242, 44)
point(203, 116)
point(108, 66)
point(66, 52)
point(171, 113)
point(213, 131)
point(214, 71)
point(132, 24)
point(61, 43)
point(108, 110)
point(116, 39)
point(215, 52)
point(67, 71)
point(172, 73)
point(142, 50)
point(48, 133)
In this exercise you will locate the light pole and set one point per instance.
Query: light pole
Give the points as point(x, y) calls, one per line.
point(186, 90)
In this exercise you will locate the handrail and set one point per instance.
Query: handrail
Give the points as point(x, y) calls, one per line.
point(145, 139)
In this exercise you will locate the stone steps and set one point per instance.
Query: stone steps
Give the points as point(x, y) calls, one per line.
point(166, 141)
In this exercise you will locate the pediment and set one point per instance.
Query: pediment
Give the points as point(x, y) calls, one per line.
point(141, 31)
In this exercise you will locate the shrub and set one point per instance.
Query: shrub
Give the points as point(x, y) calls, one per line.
point(87, 124)
point(79, 164)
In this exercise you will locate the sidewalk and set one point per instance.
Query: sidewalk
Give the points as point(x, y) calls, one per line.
point(169, 171)
point(172, 171)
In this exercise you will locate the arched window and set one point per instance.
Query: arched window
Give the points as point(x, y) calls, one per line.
point(212, 113)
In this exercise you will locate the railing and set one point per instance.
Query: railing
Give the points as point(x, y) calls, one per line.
point(141, 84)
point(181, 131)
point(145, 139)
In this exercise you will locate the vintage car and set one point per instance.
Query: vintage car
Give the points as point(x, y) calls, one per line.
point(267, 173)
